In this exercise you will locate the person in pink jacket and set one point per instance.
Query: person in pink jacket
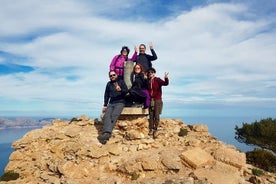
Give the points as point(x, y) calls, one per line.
point(117, 63)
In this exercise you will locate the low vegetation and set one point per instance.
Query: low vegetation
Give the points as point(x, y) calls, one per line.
point(263, 134)
point(183, 132)
point(134, 176)
point(8, 176)
point(257, 172)
point(262, 159)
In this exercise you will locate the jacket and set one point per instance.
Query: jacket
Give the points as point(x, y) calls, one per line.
point(117, 63)
point(138, 84)
point(155, 87)
point(111, 95)
point(145, 59)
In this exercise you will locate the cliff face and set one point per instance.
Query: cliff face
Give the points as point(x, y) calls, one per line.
point(70, 153)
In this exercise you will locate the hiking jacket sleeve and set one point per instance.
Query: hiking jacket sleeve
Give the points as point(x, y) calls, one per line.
point(113, 62)
point(134, 57)
point(106, 94)
point(153, 57)
point(163, 82)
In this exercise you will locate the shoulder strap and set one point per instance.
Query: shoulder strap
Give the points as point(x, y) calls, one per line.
point(116, 60)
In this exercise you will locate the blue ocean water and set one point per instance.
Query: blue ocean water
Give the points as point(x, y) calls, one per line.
point(221, 127)
point(7, 137)
point(224, 128)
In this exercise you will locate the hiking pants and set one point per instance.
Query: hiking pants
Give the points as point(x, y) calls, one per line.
point(154, 114)
point(111, 115)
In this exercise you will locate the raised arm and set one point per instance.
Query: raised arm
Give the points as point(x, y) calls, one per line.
point(153, 56)
point(134, 56)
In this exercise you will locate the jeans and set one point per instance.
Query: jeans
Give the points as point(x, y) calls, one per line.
point(111, 115)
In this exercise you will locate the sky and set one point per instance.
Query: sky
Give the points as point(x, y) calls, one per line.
point(220, 55)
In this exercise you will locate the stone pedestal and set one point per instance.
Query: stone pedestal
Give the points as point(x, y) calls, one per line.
point(132, 113)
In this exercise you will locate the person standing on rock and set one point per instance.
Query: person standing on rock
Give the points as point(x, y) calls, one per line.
point(146, 59)
point(155, 90)
point(117, 63)
point(114, 103)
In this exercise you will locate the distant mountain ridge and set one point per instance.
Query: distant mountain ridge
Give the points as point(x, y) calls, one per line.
point(23, 122)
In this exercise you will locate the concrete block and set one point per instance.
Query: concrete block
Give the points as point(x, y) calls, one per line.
point(134, 111)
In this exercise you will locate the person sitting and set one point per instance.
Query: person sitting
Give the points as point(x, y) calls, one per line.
point(138, 93)
point(114, 103)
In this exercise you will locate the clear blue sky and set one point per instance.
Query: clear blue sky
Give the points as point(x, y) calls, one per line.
point(220, 55)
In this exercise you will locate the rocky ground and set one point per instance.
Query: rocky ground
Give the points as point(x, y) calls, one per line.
point(69, 153)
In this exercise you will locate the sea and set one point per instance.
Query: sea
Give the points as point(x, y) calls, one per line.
point(221, 127)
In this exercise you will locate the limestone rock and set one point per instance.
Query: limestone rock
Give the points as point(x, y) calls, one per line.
point(134, 134)
point(199, 128)
point(171, 160)
point(230, 156)
point(69, 152)
point(196, 157)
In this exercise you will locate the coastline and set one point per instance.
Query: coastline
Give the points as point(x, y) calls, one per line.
point(19, 127)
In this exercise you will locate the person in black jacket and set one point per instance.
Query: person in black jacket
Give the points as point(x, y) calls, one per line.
point(145, 59)
point(139, 89)
point(113, 104)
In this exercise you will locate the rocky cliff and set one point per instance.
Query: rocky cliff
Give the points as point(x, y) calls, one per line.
point(69, 153)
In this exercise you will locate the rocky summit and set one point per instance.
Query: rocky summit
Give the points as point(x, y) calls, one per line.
point(68, 152)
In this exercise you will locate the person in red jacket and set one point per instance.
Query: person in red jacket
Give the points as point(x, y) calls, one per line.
point(155, 89)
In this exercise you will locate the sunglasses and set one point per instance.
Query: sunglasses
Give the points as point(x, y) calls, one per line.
point(151, 72)
point(112, 75)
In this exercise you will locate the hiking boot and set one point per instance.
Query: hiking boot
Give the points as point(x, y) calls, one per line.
point(103, 138)
point(155, 134)
point(145, 107)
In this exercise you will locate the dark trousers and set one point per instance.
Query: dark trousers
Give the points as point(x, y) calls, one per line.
point(154, 114)
point(111, 115)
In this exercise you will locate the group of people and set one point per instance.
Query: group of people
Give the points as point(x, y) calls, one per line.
point(145, 88)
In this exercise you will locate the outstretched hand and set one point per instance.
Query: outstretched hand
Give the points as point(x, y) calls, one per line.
point(166, 74)
point(151, 45)
point(145, 76)
point(135, 48)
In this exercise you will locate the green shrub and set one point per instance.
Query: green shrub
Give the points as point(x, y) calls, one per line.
point(257, 172)
point(262, 133)
point(134, 176)
point(74, 119)
point(8, 176)
point(262, 159)
point(183, 132)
